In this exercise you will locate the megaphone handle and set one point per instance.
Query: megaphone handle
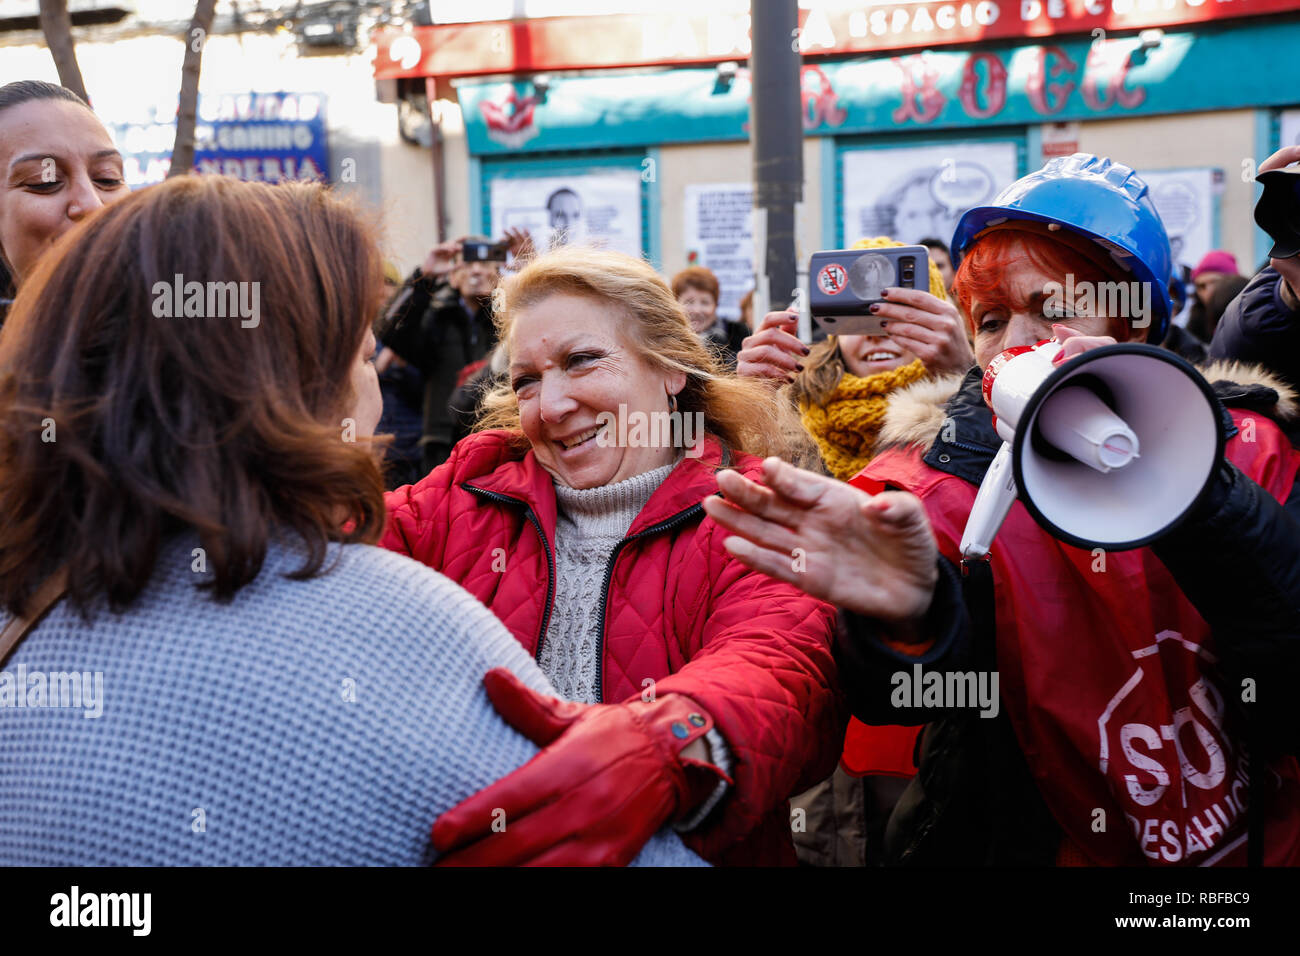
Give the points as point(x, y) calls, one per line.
point(996, 495)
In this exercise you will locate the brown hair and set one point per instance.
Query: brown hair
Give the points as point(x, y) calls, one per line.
point(743, 412)
point(160, 424)
point(698, 278)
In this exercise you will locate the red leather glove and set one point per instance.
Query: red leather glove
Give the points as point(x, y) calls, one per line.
point(608, 777)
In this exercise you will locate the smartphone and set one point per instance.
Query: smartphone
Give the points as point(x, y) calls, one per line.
point(845, 282)
point(484, 251)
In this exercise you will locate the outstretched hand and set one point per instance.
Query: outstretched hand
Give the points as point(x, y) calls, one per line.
point(874, 555)
point(607, 777)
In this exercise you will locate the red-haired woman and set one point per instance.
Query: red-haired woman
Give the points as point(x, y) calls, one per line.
point(697, 290)
point(1144, 712)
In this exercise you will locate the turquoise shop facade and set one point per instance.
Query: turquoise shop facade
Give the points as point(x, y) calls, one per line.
point(982, 93)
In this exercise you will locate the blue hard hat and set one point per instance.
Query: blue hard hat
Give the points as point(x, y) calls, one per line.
point(1104, 201)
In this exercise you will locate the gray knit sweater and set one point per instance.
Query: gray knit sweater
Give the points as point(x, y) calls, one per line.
point(327, 721)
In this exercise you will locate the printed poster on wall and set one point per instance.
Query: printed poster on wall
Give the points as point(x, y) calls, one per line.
point(1289, 127)
point(594, 209)
point(1185, 200)
point(720, 237)
point(910, 193)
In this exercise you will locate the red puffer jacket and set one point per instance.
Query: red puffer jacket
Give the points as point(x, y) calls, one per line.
point(679, 612)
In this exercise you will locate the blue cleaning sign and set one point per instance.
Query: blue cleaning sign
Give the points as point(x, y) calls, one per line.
point(261, 137)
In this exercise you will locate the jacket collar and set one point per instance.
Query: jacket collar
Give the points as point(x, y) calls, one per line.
point(524, 480)
point(966, 443)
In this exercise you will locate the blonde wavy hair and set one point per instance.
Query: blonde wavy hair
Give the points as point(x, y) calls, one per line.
point(744, 413)
point(824, 366)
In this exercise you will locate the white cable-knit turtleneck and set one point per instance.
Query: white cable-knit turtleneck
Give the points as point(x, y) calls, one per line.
point(590, 522)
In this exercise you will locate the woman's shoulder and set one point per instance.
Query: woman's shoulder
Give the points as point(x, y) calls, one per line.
point(356, 692)
point(475, 455)
point(360, 595)
point(392, 593)
point(483, 451)
point(365, 610)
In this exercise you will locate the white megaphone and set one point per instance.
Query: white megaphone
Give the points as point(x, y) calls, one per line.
point(1110, 449)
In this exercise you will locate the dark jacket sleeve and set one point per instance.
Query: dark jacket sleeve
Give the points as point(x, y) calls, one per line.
point(868, 665)
point(1237, 559)
point(464, 401)
point(1258, 326)
point(402, 327)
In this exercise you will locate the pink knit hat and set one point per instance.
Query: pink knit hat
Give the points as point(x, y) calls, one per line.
point(1217, 260)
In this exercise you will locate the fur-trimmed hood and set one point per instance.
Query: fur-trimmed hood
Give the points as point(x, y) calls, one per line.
point(917, 413)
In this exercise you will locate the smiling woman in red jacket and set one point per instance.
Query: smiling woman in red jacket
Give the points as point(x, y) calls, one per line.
point(702, 693)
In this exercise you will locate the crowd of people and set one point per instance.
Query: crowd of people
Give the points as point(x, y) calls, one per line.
point(537, 559)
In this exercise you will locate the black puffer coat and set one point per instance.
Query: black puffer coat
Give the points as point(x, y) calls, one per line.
point(1258, 326)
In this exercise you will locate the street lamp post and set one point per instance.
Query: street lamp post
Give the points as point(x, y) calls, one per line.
point(776, 133)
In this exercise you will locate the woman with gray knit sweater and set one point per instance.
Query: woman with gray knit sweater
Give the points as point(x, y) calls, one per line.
point(213, 664)
point(702, 694)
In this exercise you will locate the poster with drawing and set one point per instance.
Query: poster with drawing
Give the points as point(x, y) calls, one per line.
point(911, 193)
point(1185, 200)
point(719, 236)
point(597, 209)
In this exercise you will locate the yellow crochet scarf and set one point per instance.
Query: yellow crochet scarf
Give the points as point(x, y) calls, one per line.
point(845, 426)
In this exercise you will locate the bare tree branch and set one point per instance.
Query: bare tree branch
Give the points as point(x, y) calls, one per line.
point(56, 24)
point(195, 38)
